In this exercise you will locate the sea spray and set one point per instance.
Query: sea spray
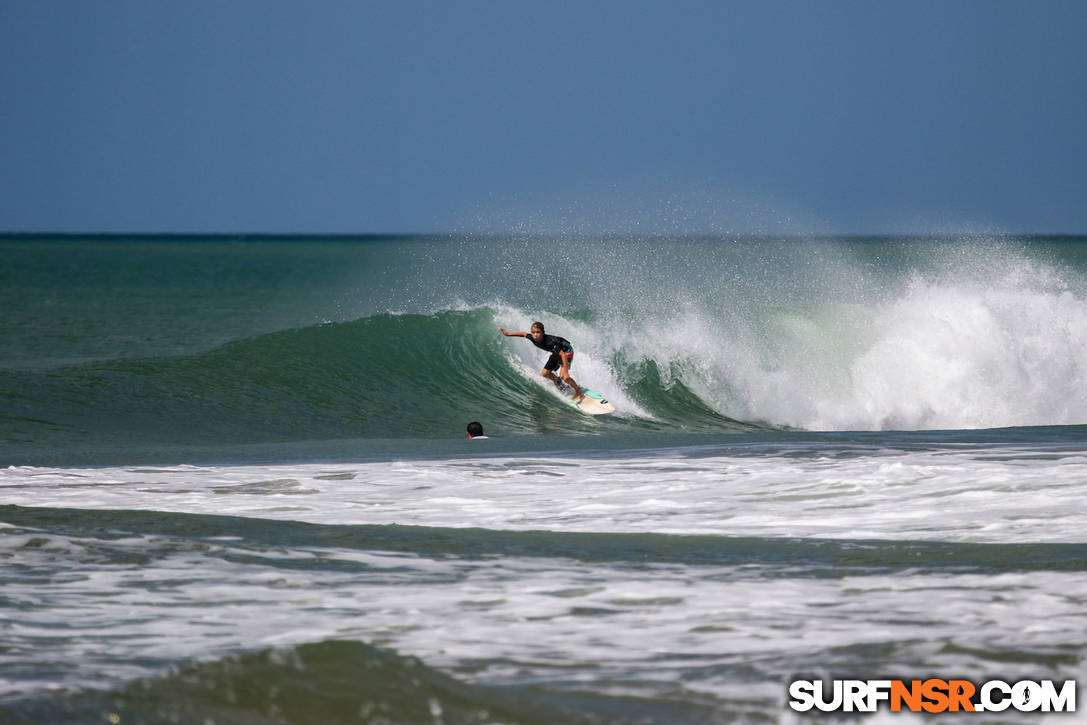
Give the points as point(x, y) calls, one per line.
point(975, 335)
point(707, 335)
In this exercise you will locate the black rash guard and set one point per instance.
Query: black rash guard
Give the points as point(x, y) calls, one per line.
point(552, 343)
point(559, 347)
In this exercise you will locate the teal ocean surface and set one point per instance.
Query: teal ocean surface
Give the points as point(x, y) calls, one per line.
point(234, 483)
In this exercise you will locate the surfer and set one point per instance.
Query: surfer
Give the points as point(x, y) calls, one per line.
point(475, 430)
point(562, 356)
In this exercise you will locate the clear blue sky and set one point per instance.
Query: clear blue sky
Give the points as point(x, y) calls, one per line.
point(401, 116)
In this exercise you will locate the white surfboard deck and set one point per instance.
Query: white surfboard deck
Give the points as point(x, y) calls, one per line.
point(592, 404)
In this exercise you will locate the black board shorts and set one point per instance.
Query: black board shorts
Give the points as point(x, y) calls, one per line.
point(554, 363)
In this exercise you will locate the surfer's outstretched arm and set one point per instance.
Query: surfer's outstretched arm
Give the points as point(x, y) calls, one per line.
point(512, 334)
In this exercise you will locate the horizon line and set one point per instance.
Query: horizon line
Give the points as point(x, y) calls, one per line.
point(12, 235)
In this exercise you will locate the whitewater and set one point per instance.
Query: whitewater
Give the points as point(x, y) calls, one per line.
point(235, 487)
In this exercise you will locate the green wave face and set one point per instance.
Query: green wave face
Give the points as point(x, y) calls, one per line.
point(386, 376)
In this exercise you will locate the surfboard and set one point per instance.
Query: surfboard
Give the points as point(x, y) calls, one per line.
point(592, 404)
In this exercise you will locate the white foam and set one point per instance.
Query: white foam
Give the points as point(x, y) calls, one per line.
point(620, 628)
point(977, 335)
point(647, 630)
point(1002, 346)
point(993, 495)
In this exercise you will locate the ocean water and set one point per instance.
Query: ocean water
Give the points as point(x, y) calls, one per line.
point(235, 488)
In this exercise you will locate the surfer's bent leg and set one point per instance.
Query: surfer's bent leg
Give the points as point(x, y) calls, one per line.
point(553, 363)
point(568, 359)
